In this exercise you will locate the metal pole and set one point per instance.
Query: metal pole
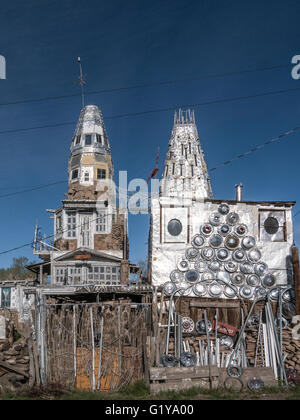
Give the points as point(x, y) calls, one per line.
point(208, 348)
point(93, 349)
point(100, 353)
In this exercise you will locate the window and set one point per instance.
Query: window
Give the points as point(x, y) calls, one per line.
point(88, 139)
point(272, 226)
point(75, 174)
point(174, 227)
point(86, 177)
point(60, 275)
point(5, 297)
point(74, 275)
point(106, 275)
point(59, 224)
point(101, 222)
point(77, 140)
point(101, 174)
point(71, 224)
point(99, 138)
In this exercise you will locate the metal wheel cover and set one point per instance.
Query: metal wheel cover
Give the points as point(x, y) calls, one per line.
point(207, 253)
point(254, 255)
point(215, 290)
point(187, 359)
point(248, 242)
point(253, 280)
point(241, 230)
point(261, 269)
point(169, 288)
point(200, 289)
point(192, 254)
point(246, 292)
point(198, 241)
point(224, 230)
point(288, 295)
point(255, 384)
point(223, 208)
point(215, 241)
point(214, 266)
point(192, 276)
point(230, 292)
point(200, 266)
point(268, 281)
point(238, 279)
point(226, 341)
point(223, 276)
point(274, 294)
point(260, 292)
point(215, 219)
point(183, 265)
point(231, 266)
point(208, 276)
point(222, 254)
point(200, 326)
point(238, 384)
point(247, 268)
point(234, 371)
point(168, 360)
point(176, 276)
point(232, 219)
point(232, 242)
point(206, 229)
point(239, 255)
point(288, 310)
point(187, 325)
point(183, 285)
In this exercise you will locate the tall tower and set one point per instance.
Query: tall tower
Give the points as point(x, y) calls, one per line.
point(185, 172)
point(90, 156)
point(90, 235)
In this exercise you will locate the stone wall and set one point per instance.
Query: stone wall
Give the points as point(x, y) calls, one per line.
point(14, 360)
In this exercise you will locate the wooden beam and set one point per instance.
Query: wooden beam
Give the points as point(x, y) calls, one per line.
point(11, 368)
point(227, 305)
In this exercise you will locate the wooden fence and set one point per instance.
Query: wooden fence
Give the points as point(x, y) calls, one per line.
point(99, 346)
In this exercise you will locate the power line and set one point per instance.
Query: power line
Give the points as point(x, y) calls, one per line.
point(146, 85)
point(157, 110)
point(280, 137)
point(220, 165)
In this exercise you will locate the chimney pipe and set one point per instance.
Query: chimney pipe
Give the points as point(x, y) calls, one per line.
point(239, 190)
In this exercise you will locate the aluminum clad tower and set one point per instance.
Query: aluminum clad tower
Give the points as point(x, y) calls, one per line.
point(185, 172)
point(90, 156)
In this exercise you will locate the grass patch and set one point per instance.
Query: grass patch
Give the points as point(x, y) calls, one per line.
point(140, 391)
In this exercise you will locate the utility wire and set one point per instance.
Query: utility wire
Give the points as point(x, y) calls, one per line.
point(146, 85)
point(154, 111)
point(220, 165)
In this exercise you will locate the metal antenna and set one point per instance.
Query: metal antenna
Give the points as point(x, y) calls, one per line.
point(81, 81)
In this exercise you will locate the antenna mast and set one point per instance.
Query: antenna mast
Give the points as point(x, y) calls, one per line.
point(81, 81)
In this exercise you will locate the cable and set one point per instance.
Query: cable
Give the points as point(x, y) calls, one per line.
point(250, 151)
point(146, 85)
point(280, 137)
point(154, 111)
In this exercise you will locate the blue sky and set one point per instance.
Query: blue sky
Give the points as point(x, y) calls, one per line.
point(139, 42)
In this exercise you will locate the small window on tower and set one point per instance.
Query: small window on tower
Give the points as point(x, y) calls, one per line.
point(99, 138)
point(86, 177)
point(75, 174)
point(101, 174)
point(88, 139)
point(77, 140)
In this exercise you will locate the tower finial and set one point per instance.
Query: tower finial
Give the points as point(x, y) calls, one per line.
point(81, 81)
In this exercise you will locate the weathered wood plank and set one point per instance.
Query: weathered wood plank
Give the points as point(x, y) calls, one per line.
point(13, 369)
point(182, 373)
point(226, 305)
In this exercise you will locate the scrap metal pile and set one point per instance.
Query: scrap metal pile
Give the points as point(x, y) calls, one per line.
point(264, 340)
